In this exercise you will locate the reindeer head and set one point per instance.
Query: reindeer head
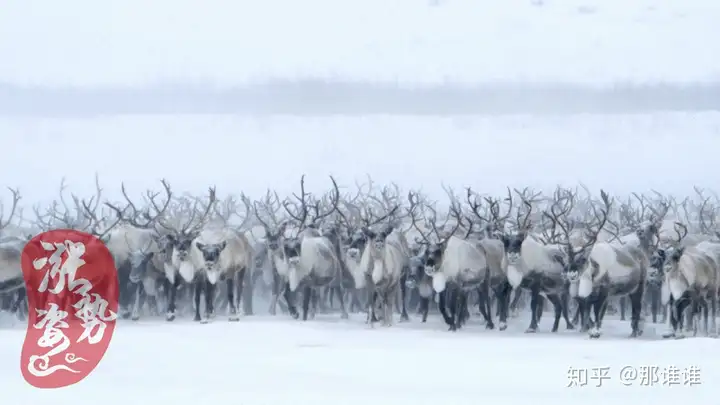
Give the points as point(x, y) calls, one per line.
point(274, 239)
point(376, 240)
point(355, 245)
point(211, 253)
point(672, 259)
point(291, 248)
point(656, 271)
point(513, 245)
point(417, 268)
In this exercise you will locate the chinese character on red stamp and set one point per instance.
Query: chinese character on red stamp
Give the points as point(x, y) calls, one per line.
point(72, 289)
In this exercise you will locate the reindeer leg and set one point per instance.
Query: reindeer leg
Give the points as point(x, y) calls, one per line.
point(636, 307)
point(534, 306)
point(599, 308)
point(275, 294)
point(340, 292)
point(670, 319)
point(713, 313)
point(16, 306)
point(403, 297)
point(290, 299)
point(654, 297)
point(485, 309)
point(307, 295)
point(209, 301)
point(680, 306)
point(705, 310)
point(197, 284)
point(247, 299)
point(442, 307)
point(172, 288)
point(558, 306)
point(502, 292)
point(138, 302)
point(456, 304)
point(239, 281)
point(516, 300)
point(230, 284)
point(424, 308)
point(623, 307)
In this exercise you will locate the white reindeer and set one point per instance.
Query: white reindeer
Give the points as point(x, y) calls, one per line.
point(382, 263)
point(220, 254)
point(612, 270)
point(456, 266)
point(318, 265)
point(692, 275)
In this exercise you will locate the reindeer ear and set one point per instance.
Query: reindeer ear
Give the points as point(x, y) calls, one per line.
point(200, 246)
point(222, 245)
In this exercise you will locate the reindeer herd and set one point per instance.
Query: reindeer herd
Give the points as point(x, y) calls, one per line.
point(382, 251)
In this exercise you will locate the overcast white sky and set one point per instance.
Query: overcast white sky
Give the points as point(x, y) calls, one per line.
point(132, 42)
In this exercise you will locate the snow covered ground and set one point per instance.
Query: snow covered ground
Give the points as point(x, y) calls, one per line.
point(669, 152)
point(265, 360)
point(224, 42)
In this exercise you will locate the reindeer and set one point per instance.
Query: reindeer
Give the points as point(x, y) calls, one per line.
point(382, 265)
point(612, 270)
point(538, 266)
point(11, 278)
point(315, 264)
point(176, 242)
point(456, 266)
point(221, 254)
point(373, 256)
point(494, 248)
point(691, 276)
point(135, 244)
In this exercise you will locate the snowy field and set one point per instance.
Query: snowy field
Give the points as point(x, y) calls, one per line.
point(228, 42)
point(622, 153)
point(265, 360)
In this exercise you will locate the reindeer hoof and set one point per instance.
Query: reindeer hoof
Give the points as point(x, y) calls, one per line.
point(680, 336)
point(135, 318)
point(404, 318)
point(204, 321)
point(490, 326)
point(502, 326)
point(170, 317)
point(344, 315)
point(570, 327)
point(530, 330)
point(668, 334)
point(234, 318)
point(272, 311)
